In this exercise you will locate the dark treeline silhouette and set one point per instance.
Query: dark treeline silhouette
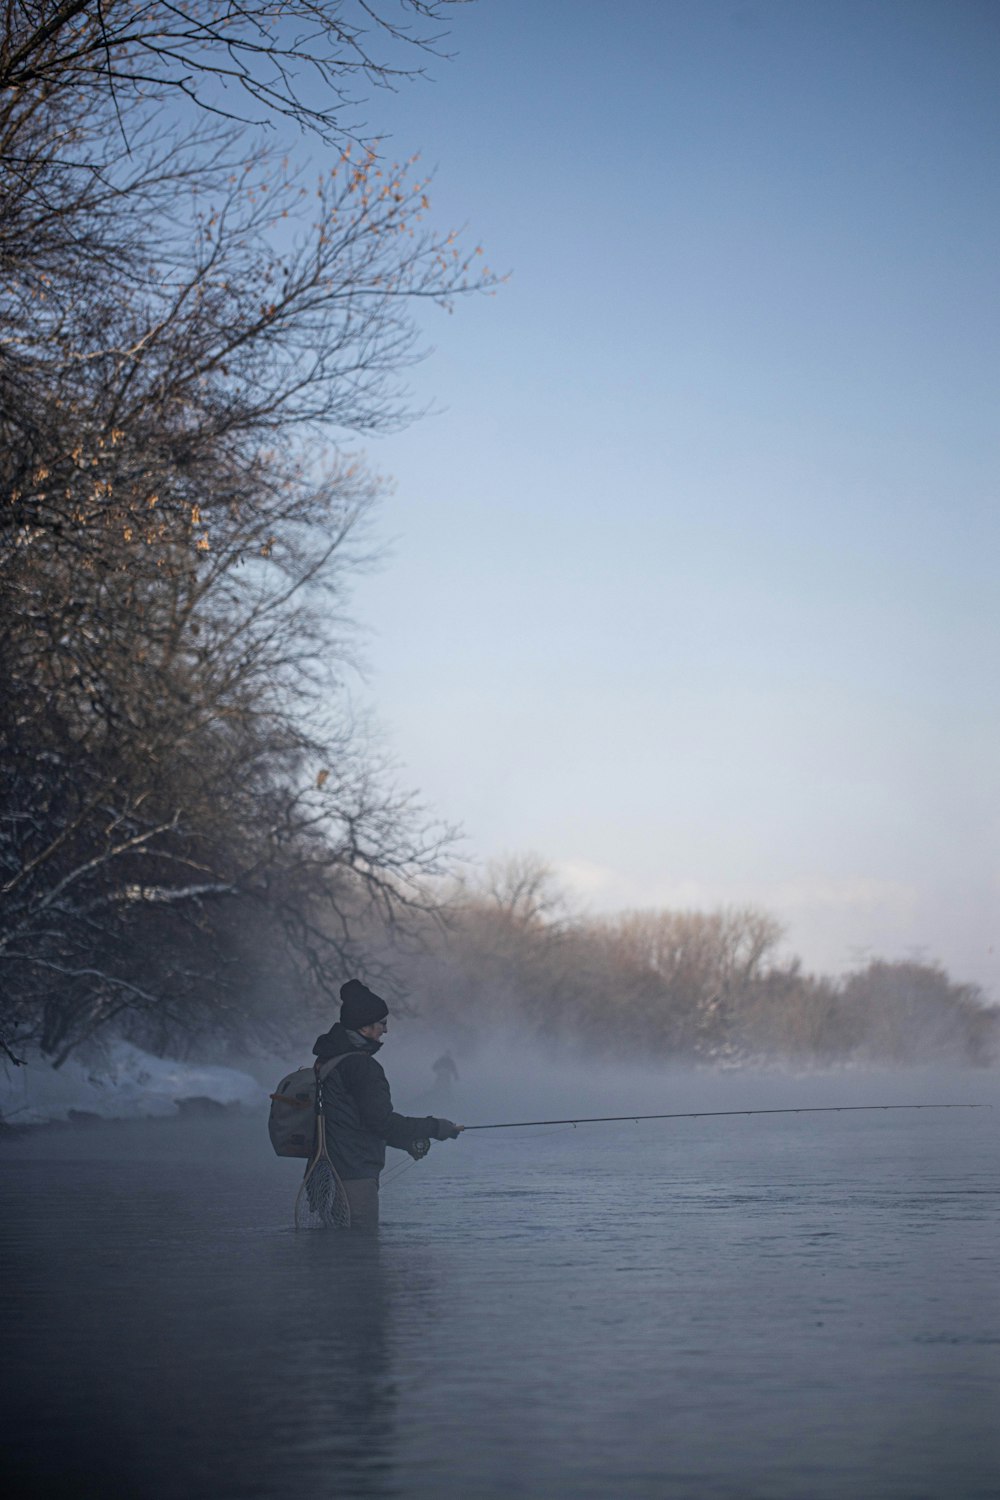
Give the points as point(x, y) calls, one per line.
point(192, 326)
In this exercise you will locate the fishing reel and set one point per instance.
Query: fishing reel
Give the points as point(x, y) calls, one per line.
point(418, 1149)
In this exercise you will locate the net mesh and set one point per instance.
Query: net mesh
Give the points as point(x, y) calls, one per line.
point(322, 1202)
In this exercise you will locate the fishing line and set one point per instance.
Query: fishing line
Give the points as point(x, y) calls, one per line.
point(710, 1114)
point(396, 1171)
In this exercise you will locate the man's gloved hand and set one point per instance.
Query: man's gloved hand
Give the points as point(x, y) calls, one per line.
point(418, 1149)
point(447, 1130)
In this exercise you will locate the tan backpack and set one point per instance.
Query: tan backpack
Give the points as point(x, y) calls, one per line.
point(292, 1121)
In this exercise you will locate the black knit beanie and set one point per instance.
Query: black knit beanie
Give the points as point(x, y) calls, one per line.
point(360, 1006)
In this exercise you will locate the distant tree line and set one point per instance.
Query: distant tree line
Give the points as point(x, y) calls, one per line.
point(694, 987)
point(191, 327)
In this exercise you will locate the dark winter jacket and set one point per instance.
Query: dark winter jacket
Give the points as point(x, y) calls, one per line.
point(360, 1119)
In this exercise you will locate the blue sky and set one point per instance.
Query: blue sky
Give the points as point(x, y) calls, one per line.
point(691, 586)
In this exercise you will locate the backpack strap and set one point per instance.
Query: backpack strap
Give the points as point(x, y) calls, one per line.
point(323, 1071)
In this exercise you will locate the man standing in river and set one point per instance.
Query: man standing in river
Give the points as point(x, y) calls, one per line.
point(360, 1119)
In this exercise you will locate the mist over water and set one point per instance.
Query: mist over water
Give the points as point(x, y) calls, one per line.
point(504, 1075)
point(780, 1306)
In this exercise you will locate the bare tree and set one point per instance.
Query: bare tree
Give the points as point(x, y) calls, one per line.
point(689, 971)
point(233, 333)
point(185, 325)
point(306, 61)
point(167, 753)
point(910, 1013)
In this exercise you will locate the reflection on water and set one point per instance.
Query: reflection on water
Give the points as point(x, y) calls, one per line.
point(159, 1348)
point(805, 1310)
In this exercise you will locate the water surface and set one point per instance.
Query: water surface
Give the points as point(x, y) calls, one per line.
point(801, 1307)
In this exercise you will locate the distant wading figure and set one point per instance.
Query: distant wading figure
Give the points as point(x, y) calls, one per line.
point(360, 1119)
point(445, 1072)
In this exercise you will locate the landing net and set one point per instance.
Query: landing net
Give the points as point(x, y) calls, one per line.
point(322, 1202)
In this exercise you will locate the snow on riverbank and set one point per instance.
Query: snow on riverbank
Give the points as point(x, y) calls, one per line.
point(128, 1084)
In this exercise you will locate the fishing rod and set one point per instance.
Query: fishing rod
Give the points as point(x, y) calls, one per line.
point(705, 1114)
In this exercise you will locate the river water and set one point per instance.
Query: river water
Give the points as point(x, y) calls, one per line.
point(751, 1309)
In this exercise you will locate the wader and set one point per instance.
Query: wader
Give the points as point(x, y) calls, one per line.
point(362, 1195)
